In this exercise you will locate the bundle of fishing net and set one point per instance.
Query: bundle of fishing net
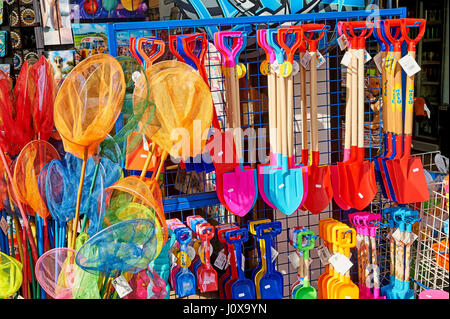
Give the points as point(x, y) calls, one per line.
point(128, 246)
point(59, 275)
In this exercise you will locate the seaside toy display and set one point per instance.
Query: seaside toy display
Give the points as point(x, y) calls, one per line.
point(254, 144)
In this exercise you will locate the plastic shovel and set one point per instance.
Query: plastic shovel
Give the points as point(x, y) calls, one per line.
point(335, 277)
point(394, 76)
point(362, 186)
point(206, 275)
point(267, 69)
point(409, 176)
point(240, 188)
point(242, 288)
point(271, 284)
point(229, 251)
point(354, 220)
point(259, 248)
point(184, 279)
point(334, 169)
point(372, 221)
point(320, 191)
point(287, 189)
point(322, 234)
point(306, 291)
point(346, 289)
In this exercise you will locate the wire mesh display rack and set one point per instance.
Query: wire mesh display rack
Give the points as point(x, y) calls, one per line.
point(432, 255)
point(187, 193)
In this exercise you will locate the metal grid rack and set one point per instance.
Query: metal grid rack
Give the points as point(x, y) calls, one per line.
point(181, 201)
point(432, 256)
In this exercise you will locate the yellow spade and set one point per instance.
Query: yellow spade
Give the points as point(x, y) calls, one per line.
point(261, 270)
point(326, 273)
point(346, 289)
point(334, 278)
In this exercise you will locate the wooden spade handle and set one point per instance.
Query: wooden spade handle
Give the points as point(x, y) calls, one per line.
point(398, 95)
point(390, 105)
point(348, 109)
point(290, 115)
point(354, 97)
point(384, 93)
point(409, 103)
point(313, 98)
point(360, 97)
point(271, 83)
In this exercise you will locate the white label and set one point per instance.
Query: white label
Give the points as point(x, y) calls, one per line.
point(4, 225)
point(367, 56)
point(342, 42)
point(281, 186)
point(241, 295)
point(231, 190)
point(346, 59)
point(410, 238)
point(320, 59)
point(274, 253)
point(397, 235)
point(318, 186)
point(275, 66)
point(360, 195)
point(266, 286)
point(340, 263)
point(135, 76)
point(409, 64)
point(173, 259)
point(191, 252)
point(145, 143)
point(425, 107)
point(306, 59)
point(324, 254)
point(378, 62)
point(121, 286)
point(295, 68)
point(20, 297)
point(294, 259)
point(221, 260)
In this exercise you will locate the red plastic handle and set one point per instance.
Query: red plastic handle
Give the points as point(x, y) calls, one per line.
point(158, 48)
point(173, 47)
point(388, 24)
point(358, 41)
point(407, 23)
point(189, 46)
point(281, 38)
point(313, 28)
point(221, 233)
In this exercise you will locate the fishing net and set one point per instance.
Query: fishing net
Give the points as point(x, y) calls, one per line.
point(59, 275)
point(131, 198)
point(16, 128)
point(10, 275)
point(182, 100)
point(128, 246)
point(44, 98)
point(28, 165)
point(88, 104)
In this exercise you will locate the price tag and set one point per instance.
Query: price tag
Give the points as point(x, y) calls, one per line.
point(409, 64)
point(346, 59)
point(320, 59)
point(378, 62)
point(295, 68)
point(306, 59)
point(340, 263)
point(324, 254)
point(145, 143)
point(410, 238)
point(367, 56)
point(121, 286)
point(397, 235)
point(275, 66)
point(173, 259)
point(4, 225)
point(274, 253)
point(294, 259)
point(221, 260)
point(342, 42)
point(135, 76)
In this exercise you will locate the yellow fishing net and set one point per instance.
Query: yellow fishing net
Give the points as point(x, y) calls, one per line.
point(88, 103)
point(183, 101)
point(10, 275)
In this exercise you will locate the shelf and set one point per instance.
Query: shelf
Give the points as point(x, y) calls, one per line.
point(431, 40)
point(430, 83)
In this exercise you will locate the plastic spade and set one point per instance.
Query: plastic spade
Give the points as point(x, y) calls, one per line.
point(259, 248)
point(372, 221)
point(362, 186)
point(266, 68)
point(347, 289)
point(242, 288)
point(185, 279)
point(411, 185)
point(326, 273)
point(306, 292)
point(271, 284)
point(240, 188)
point(223, 293)
point(320, 191)
point(206, 275)
point(334, 169)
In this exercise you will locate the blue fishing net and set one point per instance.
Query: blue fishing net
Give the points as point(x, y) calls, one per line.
point(128, 246)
